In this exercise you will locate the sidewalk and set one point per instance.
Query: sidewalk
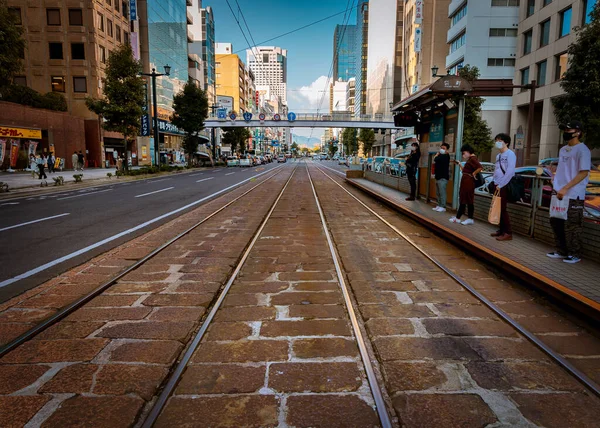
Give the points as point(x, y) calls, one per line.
point(522, 256)
point(21, 179)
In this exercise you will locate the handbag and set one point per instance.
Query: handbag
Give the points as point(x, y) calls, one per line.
point(559, 208)
point(495, 208)
point(479, 181)
point(515, 189)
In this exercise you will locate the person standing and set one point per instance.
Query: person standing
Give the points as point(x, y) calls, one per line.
point(41, 161)
point(51, 160)
point(506, 161)
point(80, 160)
point(75, 160)
point(570, 181)
point(441, 162)
point(467, 185)
point(412, 164)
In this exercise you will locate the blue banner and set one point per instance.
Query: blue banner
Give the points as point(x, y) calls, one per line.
point(132, 10)
point(145, 126)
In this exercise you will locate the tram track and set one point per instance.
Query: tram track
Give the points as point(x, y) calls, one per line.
point(556, 357)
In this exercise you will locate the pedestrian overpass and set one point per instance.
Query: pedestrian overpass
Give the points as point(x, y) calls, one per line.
point(301, 120)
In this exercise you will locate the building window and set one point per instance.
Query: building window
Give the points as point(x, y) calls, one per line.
point(541, 72)
point(504, 3)
point(102, 55)
point(527, 42)
point(75, 17)
point(460, 14)
point(15, 12)
point(565, 22)
point(525, 76)
point(124, 9)
point(101, 22)
point(561, 65)
point(125, 37)
point(79, 84)
point(546, 3)
point(55, 50)
point(544, 33)
point(530, 7)
point(588, 7)
point(458, 42)
point(118, 33)
point(109, 27)
point(117, 3)
point(503, 32)
point(58, 83)
point(20, 80)
point(109, 2)
point(77, 51)
point(501, 62)
point(53, 16)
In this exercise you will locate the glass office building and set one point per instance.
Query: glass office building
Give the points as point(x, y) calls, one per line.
point(360, 63)
point(344, 51)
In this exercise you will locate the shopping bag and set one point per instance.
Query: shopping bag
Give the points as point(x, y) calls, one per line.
point(495, 208)
point(559, 207)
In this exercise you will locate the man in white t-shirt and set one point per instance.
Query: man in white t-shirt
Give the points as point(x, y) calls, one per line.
point(570, 181)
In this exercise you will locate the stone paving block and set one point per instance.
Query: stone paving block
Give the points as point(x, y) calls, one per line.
point(397, 311)
point(245, 314)
point(330, 411)
point(490, 349)
point(305, 298)
point(148, 330)
point(412, 376)
point(529, 309)
point(97, 412)
point(305, 328)
point(462, 327)
point(582, 344)
point(109, 301)
point(153, 351)
point(177, 313)
point(69, 330)
point(179, 300)
point(590, 366)
point(529, 375)
point(548, 324)
point(228, 331)
point(49, 351)
point(123, 379)
point(225, 412)
point(137, 287)
point(9, 331)
point(317, 311)
point(24, 315)
point(221, 379)
point(306, 276)
point(385, 286)
point(76, 289)
point(415, 276)
point(314, 377)
point(559, 411)
point(242, 300)
point(136, 276)
point(75, 379)
point(443, 410)
point(442, 297)
point(324, 348)
point(416, 348)
point(242, 351)
point(371, 276)
point(15, 377)
point(109, 314)
point(258, 287)
point(389, 326)
point(465, 311)
point(16, 411)
point(316, 286)
point(42, 301)
point(198, 287)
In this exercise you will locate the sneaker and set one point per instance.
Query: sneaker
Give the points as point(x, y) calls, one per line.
point(572, 259)
point(454, 220)
point(556, 255)
point(441, 210)
point(467, 222)
point(435, 208)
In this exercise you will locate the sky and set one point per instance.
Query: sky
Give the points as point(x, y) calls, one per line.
point(310, 51)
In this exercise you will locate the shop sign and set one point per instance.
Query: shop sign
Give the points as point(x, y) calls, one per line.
point(14, 153)
point(520, 139)
point(2, 150)
point(135, 45)
point(418, 39)
point(451, 85)
point(436, 132)
point(7, 131)
point(418, 11)
point(168, 127)
point(145, 126)
point(32, 148)
point(144, 152)
point(132, 10)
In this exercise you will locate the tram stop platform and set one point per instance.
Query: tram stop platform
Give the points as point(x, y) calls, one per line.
point(525, 258)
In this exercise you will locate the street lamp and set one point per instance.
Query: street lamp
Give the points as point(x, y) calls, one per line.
point(154, 75)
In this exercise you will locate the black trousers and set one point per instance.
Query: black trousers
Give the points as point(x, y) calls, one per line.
point(567, 233)
point(411, 174)
point(505, 227)
point(461, 210)
point(42, 172)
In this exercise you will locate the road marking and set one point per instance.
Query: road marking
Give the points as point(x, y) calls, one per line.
point(230, 173)
point(34, 221)
point(156, 191)
point(156, 181)
point(118, 235)
point(84, 194)
point(10, 203)
point(192, 175)
point(204, 179)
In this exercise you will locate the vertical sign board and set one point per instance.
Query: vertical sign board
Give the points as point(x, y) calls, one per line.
point(132, 10)
point(418, 41)
point(135, 45)
point(418, 11)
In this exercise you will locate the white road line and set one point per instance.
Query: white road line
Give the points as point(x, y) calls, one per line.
point(34, 221)
point(156, 191)
point(119, 235)
point(230, 173)
point(157, 181)
point(84, 194)
point(10, 203)
point(204, 179)
point(193, 175)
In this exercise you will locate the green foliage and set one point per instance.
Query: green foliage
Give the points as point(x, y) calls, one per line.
point(12, 45)
point(236, 138)
point(54, 101)
point(349, 140)
point(332, 148)
point(367, 137)
point(295, 147)
point(477, 133)
point(581, 82)
point(124, 95)
point(26, 96)
point(190, 110)
point(78, 178)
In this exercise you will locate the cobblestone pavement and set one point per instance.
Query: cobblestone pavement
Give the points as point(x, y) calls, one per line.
point(447, 359)
point(100, 365)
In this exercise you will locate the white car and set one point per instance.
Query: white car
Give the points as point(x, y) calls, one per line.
point(233, 161)
point(246, 161)
point(341, 161)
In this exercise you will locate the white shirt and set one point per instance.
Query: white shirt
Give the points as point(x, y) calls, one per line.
point(506, 161)
point(572, 160)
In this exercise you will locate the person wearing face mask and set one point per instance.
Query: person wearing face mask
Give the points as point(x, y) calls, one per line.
point(412, 163)
point(441, 162)
point(506, 162)
point(570, 181)
point(467, 185)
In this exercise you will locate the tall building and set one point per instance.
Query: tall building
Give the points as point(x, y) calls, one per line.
point(195, 62)
point(546, 29)
point(202, 44)
point(361, 52)
point(484, 34)
point(269, 65)
point(344, 52)
point(425, 29)
point(351, 95)
point(232, 77)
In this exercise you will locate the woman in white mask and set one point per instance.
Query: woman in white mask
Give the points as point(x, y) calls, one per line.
point(441, 161)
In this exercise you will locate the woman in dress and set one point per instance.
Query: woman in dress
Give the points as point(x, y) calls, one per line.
point(470, 170)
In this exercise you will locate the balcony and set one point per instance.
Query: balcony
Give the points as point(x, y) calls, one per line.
point(188, 2)
point(190, 18)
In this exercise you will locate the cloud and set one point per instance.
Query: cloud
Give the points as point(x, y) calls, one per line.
point(306, 99)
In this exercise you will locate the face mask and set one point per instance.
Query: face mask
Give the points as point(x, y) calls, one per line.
point(499, 144)
point(413, 148)
point(442, 151)
point(568, 136)
point(466, 156)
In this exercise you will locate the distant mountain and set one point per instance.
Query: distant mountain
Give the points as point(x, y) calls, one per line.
point(310, 142)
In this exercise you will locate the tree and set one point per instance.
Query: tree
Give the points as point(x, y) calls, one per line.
point(476, 133)
point(12, 45)
point(190, 110)
point(124, 95)
point(294, 147)
point(349, 140)
point(581, 82)
point(332, 147)
point(236, 138)
point(367, 137)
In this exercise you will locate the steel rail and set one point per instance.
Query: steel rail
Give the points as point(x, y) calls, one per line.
point(181, 366)
point(382, 412)
point(559, 359)
point(72, 307)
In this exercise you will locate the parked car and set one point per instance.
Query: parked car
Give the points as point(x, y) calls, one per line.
point(281, 159)
point(245, 161)
point(233, 161)
point(341, 160)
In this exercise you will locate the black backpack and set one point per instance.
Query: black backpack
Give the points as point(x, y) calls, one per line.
point(515, 189)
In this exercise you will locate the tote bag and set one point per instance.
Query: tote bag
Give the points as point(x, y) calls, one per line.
point(495, 208)
point(559, 207)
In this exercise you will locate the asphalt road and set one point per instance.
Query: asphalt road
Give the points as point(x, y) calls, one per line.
point(43, 236)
